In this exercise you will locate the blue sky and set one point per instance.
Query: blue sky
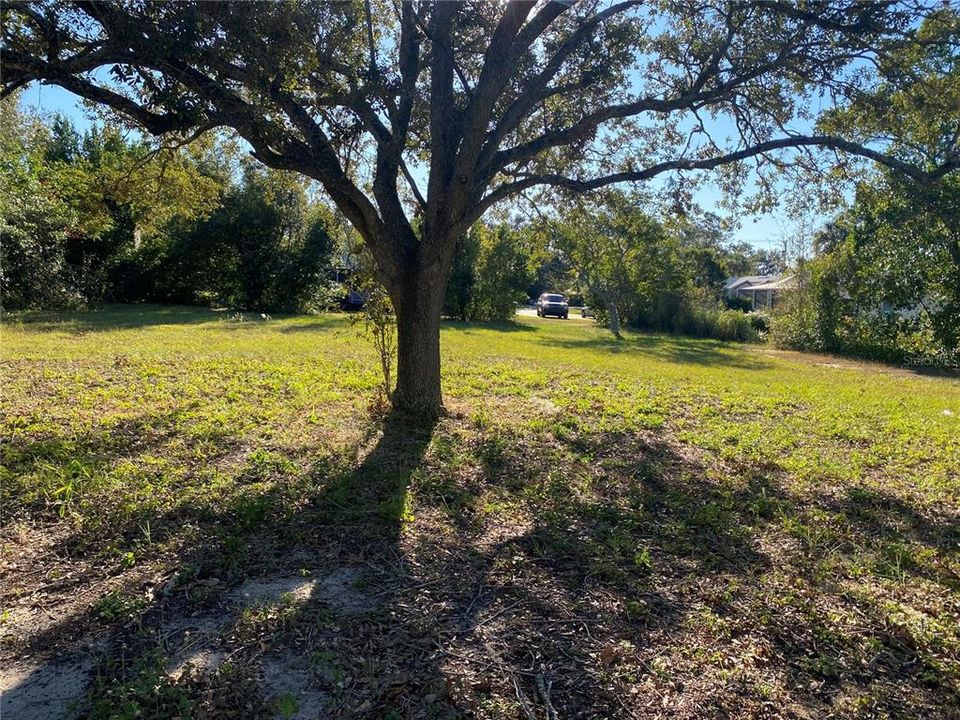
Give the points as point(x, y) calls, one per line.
point(763, 231)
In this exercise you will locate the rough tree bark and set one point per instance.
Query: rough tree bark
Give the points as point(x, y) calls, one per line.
point(614, 319)
point(418, 304)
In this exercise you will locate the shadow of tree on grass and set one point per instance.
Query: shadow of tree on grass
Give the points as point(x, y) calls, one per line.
point(455, 571)
point(115, 317)
point(673, 349)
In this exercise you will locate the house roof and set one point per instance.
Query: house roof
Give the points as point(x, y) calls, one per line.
point(781, 283)
point(749, 281)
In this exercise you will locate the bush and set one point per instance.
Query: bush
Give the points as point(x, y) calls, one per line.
point(818, 317)
point(668, 312)
point(490, 275)
point(722, 325)
point(760, 321)
point(737, 303)
point(689, 314)
point(794, 327)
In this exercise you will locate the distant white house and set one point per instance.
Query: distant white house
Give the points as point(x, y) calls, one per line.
point(762, 291)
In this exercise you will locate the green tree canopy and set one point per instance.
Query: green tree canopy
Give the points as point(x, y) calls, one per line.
point(621, 257)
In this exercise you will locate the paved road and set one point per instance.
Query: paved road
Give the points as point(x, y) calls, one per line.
point(532, 312)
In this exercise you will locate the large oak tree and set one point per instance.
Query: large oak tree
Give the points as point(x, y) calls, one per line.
point(416, 117)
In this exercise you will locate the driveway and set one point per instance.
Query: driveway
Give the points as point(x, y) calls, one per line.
point(527, 311)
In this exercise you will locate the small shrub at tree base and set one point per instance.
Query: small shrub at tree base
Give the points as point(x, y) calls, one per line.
point(379, 322)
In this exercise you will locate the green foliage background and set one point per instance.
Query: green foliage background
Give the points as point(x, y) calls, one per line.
point(106, 217)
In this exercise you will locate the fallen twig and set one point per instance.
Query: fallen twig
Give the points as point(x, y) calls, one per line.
point(497, 614)
point(522, 699)
point(543, 687)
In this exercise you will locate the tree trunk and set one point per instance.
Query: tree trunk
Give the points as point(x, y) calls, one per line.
point(418, 309)
point(953, 247)
point(614, 319)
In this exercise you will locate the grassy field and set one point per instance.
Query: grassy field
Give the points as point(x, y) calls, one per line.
point(211, 517)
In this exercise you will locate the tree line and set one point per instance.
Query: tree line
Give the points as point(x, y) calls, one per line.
point(105, 216)
point(885, 280)
point(884, 283)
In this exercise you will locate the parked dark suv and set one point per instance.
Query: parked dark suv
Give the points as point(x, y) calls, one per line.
point(353, 300)
point(552, 304)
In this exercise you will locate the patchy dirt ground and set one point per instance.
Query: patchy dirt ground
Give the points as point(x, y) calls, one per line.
point(655, 593)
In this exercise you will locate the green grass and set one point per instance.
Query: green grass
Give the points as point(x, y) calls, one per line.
point(661, 522)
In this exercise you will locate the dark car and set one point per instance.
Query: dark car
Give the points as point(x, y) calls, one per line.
point(552, 304)
point(353, 300)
